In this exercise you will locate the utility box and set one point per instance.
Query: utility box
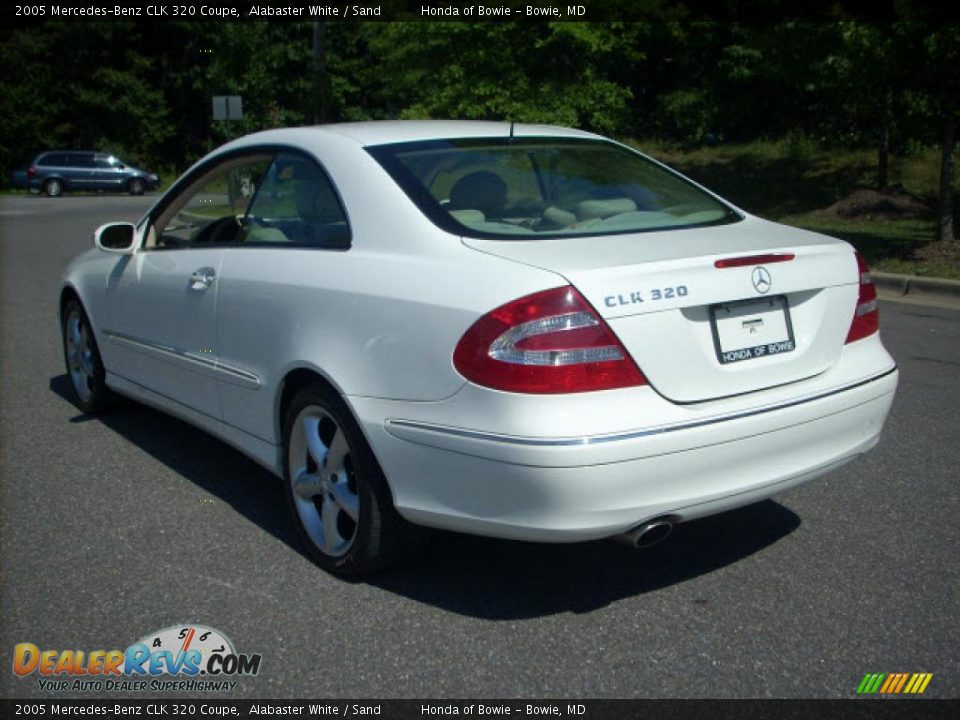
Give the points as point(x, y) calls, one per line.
point(227, 107)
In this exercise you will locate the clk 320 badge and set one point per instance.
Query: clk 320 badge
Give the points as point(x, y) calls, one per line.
point(636, 296)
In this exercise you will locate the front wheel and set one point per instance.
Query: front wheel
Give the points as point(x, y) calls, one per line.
point(82, 359)
point(336, 491)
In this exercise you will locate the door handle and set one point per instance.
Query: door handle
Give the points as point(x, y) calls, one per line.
point(202, 278)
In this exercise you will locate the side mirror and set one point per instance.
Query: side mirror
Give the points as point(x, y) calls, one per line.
point(115, 237)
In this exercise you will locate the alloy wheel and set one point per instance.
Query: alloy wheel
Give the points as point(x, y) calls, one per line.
point(324, 481)
point(80, 356)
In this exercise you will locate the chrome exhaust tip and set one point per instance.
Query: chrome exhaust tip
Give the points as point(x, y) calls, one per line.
point(648, 534)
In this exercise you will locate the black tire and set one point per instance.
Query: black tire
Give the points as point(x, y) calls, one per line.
point(84, 367)
point(379, 531)
point(136, 186)
point(53, 187)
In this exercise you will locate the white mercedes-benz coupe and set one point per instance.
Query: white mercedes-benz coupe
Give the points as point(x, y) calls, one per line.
point(511, 330)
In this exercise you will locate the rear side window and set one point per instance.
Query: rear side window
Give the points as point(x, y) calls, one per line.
point(297, 205)
point(52, 160)
point(81, 160)
point(526, 188)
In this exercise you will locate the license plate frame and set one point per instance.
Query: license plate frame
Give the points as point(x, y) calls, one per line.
point(773, 309)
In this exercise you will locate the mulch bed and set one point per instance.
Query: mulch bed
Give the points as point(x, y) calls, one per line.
point(893, 203)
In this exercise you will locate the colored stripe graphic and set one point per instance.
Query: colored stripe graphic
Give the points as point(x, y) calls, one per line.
point(894, 683)
point(903, 679)
point(918, 683)
point(892, 679)
point(870, 683)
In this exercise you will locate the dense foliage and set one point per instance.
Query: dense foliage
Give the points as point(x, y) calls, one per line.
point(144, 90)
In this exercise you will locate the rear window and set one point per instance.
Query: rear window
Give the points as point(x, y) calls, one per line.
point(52, 160)
point(525, 188)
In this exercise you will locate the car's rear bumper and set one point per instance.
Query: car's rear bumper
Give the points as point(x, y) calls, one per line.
point(568, 487)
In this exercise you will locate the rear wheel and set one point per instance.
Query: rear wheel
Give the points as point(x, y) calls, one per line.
point(136, 186)
point(53, 187)
point(82, 360)
point(338, 496)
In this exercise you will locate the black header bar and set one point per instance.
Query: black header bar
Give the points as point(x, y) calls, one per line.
point(750, 11)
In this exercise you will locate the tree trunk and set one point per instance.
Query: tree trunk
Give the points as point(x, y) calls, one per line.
point(883, 154)
point(883, 151)
point(945, 231)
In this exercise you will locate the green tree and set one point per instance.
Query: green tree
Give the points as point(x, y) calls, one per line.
point(870, 74)
point(941, 55)
point(551, 73)
point(102, 98)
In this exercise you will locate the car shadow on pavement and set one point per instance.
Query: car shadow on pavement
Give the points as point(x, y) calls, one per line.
point(472, 576)
point(507, 580)
point(202, 459)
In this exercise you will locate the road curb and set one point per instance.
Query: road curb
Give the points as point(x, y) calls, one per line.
point(916, 287)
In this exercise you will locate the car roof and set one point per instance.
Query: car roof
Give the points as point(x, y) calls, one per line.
point(384, 132)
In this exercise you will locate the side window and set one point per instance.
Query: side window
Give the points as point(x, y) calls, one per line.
point(82, 161)
point(297, 205)
point(212, 209)
point(51, 160)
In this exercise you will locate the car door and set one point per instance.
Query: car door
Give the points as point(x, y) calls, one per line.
point(276, 293)
point(163, 299)
point(110, 173)
point(82, 171)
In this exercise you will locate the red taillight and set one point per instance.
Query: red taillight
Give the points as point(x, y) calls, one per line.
point(31, 172)
point(549, 342)
point(866, 318)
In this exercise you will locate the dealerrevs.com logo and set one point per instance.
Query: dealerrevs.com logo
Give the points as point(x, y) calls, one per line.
point(183, 657)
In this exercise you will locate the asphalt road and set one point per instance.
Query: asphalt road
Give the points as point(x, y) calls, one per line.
point(115, 527)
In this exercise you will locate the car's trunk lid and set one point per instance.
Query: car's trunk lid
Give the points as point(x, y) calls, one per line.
point(698, 331)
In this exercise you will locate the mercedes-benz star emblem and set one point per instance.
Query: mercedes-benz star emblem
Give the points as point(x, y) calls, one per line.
point(761, 280)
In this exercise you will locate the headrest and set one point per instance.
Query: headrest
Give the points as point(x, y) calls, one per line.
point(483, 190)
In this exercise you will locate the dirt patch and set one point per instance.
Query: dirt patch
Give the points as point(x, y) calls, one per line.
point(894, 203)
point(947, 253)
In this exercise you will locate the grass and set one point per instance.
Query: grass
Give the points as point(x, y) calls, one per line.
point(791, 181)
point(920, 268)
point(877, 240)
point(887, 245)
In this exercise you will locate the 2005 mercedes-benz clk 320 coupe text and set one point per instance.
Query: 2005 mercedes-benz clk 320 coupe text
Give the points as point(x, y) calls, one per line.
point(511, 330)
